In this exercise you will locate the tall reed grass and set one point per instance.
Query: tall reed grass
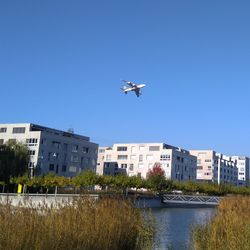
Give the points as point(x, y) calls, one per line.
point(229, 229)
point(85, 224)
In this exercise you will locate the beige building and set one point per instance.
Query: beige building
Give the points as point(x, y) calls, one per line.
point(242, 163)
point(138, 158)
point(215, 167)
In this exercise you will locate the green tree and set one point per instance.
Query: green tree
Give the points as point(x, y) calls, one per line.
point(121, 182)
point(14, 160)
point(53, 181)
point(136, 182)
point(105, 181)
point(86, 179)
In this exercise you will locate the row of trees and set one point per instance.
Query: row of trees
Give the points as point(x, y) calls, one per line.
point(155, 182)
point(88, 179)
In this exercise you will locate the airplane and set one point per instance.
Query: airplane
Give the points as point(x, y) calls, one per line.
point(132, 87)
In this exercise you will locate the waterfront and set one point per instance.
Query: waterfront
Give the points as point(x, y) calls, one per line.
point(174, 226)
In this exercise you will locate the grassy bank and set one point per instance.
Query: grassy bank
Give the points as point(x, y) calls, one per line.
point(86, 224)
point(229, 229)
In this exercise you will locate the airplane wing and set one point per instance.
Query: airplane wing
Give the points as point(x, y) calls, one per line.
point(137, 92)
point(129, 83)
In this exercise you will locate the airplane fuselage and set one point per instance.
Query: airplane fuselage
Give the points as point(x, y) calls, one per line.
point(139, 86)
point(133, 87)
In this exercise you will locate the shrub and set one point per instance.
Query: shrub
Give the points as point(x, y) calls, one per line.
point(86, 224)
point(229, 229)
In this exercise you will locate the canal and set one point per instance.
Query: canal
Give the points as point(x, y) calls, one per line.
point(174, 226)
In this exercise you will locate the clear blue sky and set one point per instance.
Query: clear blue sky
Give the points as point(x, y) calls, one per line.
point(61, 63)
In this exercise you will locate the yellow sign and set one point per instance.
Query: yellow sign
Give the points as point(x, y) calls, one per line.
point(19, 189)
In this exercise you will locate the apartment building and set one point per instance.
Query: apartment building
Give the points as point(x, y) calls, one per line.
point(138, 158)
point(242, 163)
point(52, 150)
point(215, 167)
point(107, 167)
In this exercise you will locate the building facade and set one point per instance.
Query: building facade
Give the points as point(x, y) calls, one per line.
point(215, 167)
point(138, 158)
point(242, 163)
point(107, 167)
point(52, 150)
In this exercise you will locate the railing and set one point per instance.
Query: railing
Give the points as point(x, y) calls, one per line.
point(38, 199)
point(191, 199)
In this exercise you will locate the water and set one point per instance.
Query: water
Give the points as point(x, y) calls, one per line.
point(174, 226)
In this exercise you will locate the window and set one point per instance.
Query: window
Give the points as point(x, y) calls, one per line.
point(57, 168)
point(165, 157)
point(131, 167)
point(140, 158)
point(65, 146)
point(31, 164)
point(133, 149)
point(198, 161)
point(106, 165)
point(56, 144)
point(72, 169)
point(149, 157)
point(31, 141)
point(154, 148)
point(1, 141)
point(85, 150)
point(123, 165)
point(65, 158)
point(141, 148)
point(31, 152)
point(202, 153)
point(18, 130)
point(101, 151)
point(122, 157)
point(199, 167)
point(64, 168)
point(51, 167)
point(86, 160)
point(108, 157)
point(75, 148)
point(3, 130)
point(207, 160)
point(122, 148)
point(132, 157)
point(74, 158)
point(140, 165)
point(44, 141)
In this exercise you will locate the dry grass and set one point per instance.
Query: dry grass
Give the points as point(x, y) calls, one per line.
point(229, 229)
point(85, 224)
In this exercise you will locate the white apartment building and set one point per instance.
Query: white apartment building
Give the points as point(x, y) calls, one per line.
point(52, 150)
point(242, 163)
point(138, 158)
point(215, 167)
point(107, 167)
